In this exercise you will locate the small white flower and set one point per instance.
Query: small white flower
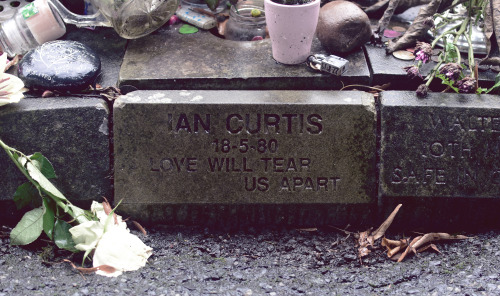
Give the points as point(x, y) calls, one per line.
point(113, 243)
point(11, 87)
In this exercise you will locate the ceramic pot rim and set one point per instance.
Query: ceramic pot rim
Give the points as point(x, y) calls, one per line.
point(312, 3)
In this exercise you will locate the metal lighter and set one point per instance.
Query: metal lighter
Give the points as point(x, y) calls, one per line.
point(331, 64)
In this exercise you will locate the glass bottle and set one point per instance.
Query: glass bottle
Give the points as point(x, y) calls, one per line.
point(32, 25)
point(44, 20)
point(242, 26)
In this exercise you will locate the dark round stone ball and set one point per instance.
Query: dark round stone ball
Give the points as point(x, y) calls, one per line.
point(342, 27)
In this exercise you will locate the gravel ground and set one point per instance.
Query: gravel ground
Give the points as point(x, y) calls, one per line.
point(197, 261)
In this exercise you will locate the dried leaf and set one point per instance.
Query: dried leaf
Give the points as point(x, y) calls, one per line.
point(390, 243)
point(363, 252)
point(384, 226)
point(402, 257)
point(394, 246)
point(434, 236)
point(376, 9)
point(85, 270)
point(221, 27)
point(492, 33)
point(386, 18)
point(108, 209)
point(424, 248)
point(15, 60)
point(47, 94)
point(416, 31)
point(139, 226)
point(394, 251)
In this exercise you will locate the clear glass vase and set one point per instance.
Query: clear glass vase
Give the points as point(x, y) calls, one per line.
point(242, 26)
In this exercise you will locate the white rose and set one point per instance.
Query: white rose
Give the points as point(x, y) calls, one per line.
point(11, 87)
point(122, 250)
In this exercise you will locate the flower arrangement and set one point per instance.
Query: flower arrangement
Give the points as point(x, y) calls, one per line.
point(449, 68)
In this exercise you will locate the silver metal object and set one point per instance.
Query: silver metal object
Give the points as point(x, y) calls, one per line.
point(332, 64)
point(478, 39)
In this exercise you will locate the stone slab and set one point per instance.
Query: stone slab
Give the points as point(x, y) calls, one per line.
point(169, 60)
point(71, 132)
point(388, 69)
point(109, 47)
point(194, 148)
point(447, 145)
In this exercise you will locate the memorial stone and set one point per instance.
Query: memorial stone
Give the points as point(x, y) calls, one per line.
point(244, 148)
point(71, 132)
point(447, 145)
point(440, 158)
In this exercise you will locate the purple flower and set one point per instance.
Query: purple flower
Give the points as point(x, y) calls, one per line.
point(423, 52)
point(422, 90)
point(451, 70)
point(467, 85)
point(412, 71)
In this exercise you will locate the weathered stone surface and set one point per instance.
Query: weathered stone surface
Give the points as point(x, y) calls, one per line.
point(60, 65)
point(71, 132)
point(447, 145)
point(169, 60)
point(195, 147)
point(343, 27)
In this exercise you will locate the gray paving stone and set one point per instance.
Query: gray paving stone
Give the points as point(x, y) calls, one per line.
point(175, 148)
point(169, 60)
point(71, 132)
point(440, 157)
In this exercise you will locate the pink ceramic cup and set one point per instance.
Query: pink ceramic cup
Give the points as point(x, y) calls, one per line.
point(292, 29)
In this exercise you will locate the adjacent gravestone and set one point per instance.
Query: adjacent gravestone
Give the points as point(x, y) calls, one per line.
point(445, 145)
point(71, 132)
point(243, 148)
point(440, 157)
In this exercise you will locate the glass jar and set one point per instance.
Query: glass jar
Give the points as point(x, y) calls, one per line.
point(242, 26)
point(203, 5)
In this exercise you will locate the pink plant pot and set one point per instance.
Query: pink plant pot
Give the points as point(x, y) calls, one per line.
point(291, 28)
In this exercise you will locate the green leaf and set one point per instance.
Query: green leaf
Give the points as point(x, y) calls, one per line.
point(212, 4)
point(481, 90)
point(24, 195)
point(446, 81)
point(44, 183)
point(28, 229)
point(49, 216)
point(44, 165)
point(497, 84)
point(62, 236)
point(187, 29)
point(451, 53)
